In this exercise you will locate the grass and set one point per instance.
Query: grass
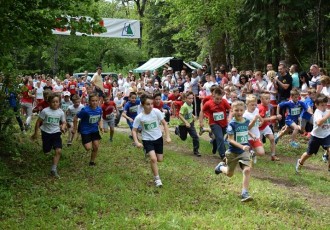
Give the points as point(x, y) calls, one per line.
point(119, 193)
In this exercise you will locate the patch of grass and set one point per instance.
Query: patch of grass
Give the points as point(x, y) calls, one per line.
point(119, 192)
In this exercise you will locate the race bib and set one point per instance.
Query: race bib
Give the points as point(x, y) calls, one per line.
point(106, 90)
point(72, 86)
point(188, 116)
point(218, 116)
point(150, 125)
point(39, 94)
point(267, 114)
point(242, 137)
point(80, 88)
point(295, 111)
point(64, 107)
point(53, 120)
point(94, 119)
point(133, 109)
point(109, 116)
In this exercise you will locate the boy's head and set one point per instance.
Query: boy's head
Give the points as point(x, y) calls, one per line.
point(233, 96)
point(176, 91)
point(106, 98)
point(294, 95)
point(251, 102)
point(132, 97)
point(321, 102)
point(76, 100)
point(265, 98)
point(189, 97)
point(54, 100)
point(157, 98)
point(312, 93)
point(217, 95)
point(119, 95)
point(237, 108)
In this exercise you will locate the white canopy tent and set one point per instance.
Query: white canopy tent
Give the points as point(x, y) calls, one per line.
point(155, 63)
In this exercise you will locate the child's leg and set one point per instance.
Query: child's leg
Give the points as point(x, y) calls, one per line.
point(246, 177)
point(295, 129)
point(112, 131)
point(218, 133)
point(303, 158)
point(153, 162)
point(183, 132)
point(272, 143)
point(284, 130)
point(260, 151)
point(57, 156)
point(192, 132)
point(95, 145)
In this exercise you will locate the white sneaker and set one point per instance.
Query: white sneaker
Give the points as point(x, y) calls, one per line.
point(158, 183)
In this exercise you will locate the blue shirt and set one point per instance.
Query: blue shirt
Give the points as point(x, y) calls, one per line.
point(80, 85)
point(240, 132)
point(89, 119)
point(309, 103)
point(294, 109)
point(131, 109)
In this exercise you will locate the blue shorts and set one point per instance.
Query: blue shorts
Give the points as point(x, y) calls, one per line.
point(314, 144)
point(289, 122)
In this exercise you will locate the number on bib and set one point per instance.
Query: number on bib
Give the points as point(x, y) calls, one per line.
point(53, 120)
point(150, 125)
point(242, 137)
point(295, 111)
point(94, 119)
point(218, 116)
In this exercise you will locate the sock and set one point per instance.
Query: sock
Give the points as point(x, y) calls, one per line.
point(54, 167)
point(157, 177)
point(244, 191)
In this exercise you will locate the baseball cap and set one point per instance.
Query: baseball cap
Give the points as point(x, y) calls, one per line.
point(169, 68)
point(66, 93)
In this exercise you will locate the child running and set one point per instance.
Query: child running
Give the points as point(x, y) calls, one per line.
point(216, 111)
point(152, 139)
point(294, 108)
point(238, 152)
point(320, 135)
point(131, 110)
point(72, 111)
point(90, 122)
point(51, 130)
point(264, 128)
point(109, 115)
point(252, 114)
point(187, 122)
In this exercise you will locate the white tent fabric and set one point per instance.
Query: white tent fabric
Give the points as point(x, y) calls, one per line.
point(153, 64)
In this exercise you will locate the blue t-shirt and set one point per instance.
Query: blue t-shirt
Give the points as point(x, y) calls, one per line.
point(80, 85)
point(131, 109)
point(240, 131)
point(164, 97)
point(294, 109)
point(309, 103)
point(89, 119)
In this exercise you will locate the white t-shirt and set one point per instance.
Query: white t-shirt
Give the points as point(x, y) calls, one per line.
point(51, 120)
point(250, 116)
point(323, 130)
point(65, 105)
point(271, 87)
point(326, 92)
point(40, 93)
point(207, 87)
point(186, 86)
point(58, 88)
point(150, 124)
point(98, 81)
point(72, 111)
point(118, 102)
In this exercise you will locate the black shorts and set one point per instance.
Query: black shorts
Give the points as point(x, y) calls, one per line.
point(51, 141)
point(314, 144)
point(156, 145)
point(86, 138)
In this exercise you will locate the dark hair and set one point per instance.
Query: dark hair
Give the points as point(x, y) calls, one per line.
point(158, 94)
point(92, 95)
point(132, 94)
point(51, 96)
point(218, 91)
point(75, 98)
point(321, 99)
point(241, 77)
point(145, 97)
point(189, 93)
point(306, 77)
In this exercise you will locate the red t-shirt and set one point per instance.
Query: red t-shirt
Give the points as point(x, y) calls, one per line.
point(172, 97)
point(206, 99)
point(217, 113)
point(108, 109)
point(72, 87)
point(25, 94)
point(107, 88)
point(160, 106)
point(264, 112)
point(42, 105)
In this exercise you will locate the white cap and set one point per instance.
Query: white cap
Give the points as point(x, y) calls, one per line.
point(66, 93)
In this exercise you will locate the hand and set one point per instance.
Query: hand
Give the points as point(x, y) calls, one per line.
point(63, 130)
point(201, 124)
point(279, 116)
point(73, 131)
point(187, 125)
point(131, 120)
point(138, 144)
point(168, 140)
point(246, 148)
point(101, 130)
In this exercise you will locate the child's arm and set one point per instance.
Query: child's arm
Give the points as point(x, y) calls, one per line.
point(127, 117)
point(320, 121)
point(101, 125)
point(36, 129)
point(252, 135)
point(272, 118)
point(184, 120)
point(136, 141)
point(167, 132)
point(201, 118)
point(75, 125)
point(253, 121)
point(235, 143)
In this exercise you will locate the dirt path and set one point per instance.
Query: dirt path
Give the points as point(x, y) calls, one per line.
point(317, 201)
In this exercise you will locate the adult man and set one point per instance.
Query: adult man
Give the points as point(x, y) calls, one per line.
point(195, 89)
point(315, 81)
point(171, 72)
point(269, 67)
point(97, 82)
point(235, 77)
point(283, 85)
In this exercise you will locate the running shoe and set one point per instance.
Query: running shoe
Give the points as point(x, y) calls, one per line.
point(158, 183)
point(246, 197)
point(217, 169)
point(54, 174)
point(294, 144)
point(298, 166)
point(325, 157)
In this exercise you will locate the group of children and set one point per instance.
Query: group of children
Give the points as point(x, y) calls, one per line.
point(238, 125)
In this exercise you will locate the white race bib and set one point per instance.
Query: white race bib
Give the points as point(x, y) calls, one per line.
point(242, 137)
point(218, 116)
point(295, 111)
point(94, 119)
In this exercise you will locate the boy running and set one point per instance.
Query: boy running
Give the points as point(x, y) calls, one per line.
point(152, 139)
point(320, 135)
point(238, 152)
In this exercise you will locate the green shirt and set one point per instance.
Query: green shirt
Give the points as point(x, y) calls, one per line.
point(187, 112)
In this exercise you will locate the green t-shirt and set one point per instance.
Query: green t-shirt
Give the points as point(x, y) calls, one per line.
point(187, 112)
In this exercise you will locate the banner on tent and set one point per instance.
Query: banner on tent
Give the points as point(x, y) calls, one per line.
point(116, 28)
